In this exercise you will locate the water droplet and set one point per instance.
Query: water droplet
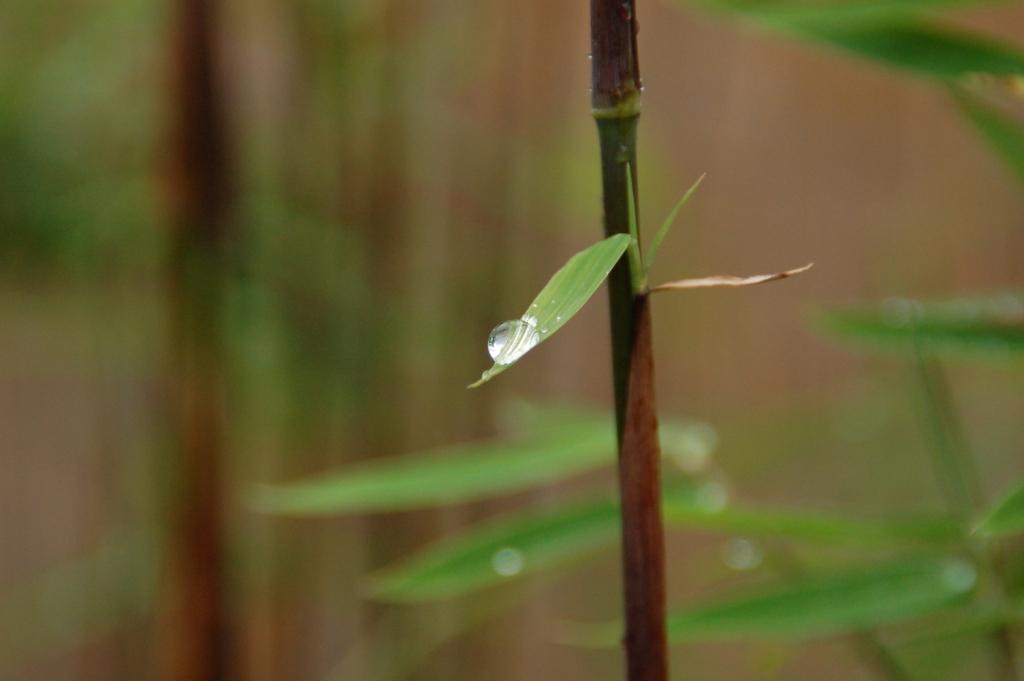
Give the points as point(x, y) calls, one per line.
point(960, 575)
point(512, 339)
point(901, 312)
point(508, 561)
point(712, 496)
point(742, 554)
point(691, 448)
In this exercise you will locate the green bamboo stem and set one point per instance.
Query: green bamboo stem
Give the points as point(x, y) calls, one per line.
point(616, 107)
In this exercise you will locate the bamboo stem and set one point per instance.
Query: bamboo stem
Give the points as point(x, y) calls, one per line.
point(193, 637)
point(616, 107)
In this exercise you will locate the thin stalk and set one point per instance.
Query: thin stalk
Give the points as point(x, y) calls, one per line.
point(869, 647)
point(193, 635)
point(961, 481)
point(878, 656)
point(954, 465)
point(616, 107)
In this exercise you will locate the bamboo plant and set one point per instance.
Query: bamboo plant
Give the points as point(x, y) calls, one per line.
point(194, 639)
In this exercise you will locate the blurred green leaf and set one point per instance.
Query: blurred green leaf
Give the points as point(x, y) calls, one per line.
point(77, 601)
point(697, 508)
point(789, 12)
point(820, 605)
point(496, 551)
point(817, 605)
point(559, 442)
point(925, 50)
point(1003, 132)
point(1007, 516)
point(972, 620)
point(891, 32)
point(450, 475)
point(531, 542)
point(563, 296)
point(992, 325)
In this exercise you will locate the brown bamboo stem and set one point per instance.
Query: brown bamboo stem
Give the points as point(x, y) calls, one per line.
point(616, 107)
point(193, 640)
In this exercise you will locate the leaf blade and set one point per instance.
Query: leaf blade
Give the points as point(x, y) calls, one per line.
point(559, 442)
point(666, 225)
point(1002, 132)
point(682, 509)
point(465, 564)
point(788, 12)
point(917, 47)
point(567, 292)
point(830, 604)
point(816, 605)
point(446, 476)
point(982, 325)
point(544, 540)
point(1006, 516)
point(890, 32)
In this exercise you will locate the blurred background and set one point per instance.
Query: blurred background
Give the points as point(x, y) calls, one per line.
point(244, 242)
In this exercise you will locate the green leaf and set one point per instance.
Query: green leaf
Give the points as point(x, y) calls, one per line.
point(789, 12)
point(652, 250)
point(559, 442)
point(532, 542)
point(816, 606)
point(990, 325)
point(890, 32)
point(450, 475)
point(498, 551)
point(922, 49)
point(567, 291)
point(691, 508)
point(1003, 132)
point(637, 271)
point(1006, 517)
point(820, 605)
point(973, 619)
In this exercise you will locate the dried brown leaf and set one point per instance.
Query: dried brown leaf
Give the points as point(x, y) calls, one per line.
point(729, 280)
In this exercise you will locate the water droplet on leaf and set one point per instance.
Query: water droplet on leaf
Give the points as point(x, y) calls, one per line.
point(512, 339)
point(507, 561)
point(742, 554)
point(901, 312)
point(712, 496)
point(960, 575)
